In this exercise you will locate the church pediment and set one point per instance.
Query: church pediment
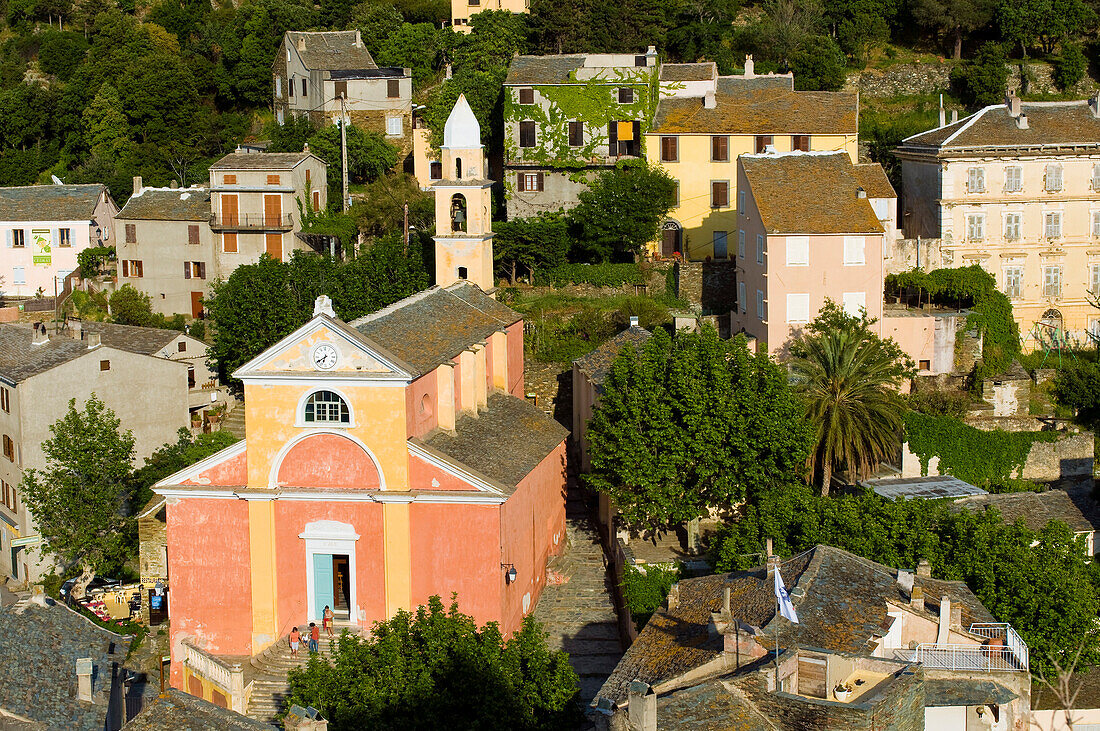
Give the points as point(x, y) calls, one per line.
point(324, 347)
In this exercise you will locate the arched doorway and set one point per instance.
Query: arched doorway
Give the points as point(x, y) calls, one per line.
point(672, 237)
point(1051, 320)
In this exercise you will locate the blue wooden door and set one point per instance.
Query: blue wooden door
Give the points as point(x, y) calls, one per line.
point(322, 583)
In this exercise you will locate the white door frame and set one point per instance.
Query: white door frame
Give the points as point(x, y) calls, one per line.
point(330, 537)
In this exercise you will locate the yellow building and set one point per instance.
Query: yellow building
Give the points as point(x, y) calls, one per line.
point(705, 121)
point(463, 10)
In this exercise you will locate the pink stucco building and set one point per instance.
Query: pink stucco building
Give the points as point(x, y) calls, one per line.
point(812, 225)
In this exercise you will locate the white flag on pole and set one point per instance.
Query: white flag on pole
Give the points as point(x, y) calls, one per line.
point(786, 607)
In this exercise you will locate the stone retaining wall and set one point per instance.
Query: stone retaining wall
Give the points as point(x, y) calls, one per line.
point(920, 79)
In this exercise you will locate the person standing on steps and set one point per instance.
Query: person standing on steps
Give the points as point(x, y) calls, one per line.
point(295, 638)
point(326, 620)
point(314, 637)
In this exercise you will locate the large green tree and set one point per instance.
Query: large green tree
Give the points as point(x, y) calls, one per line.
point(370, 155)
point(690, 423)
point(621, 212)
point(954, 19)
point(848, 378)
point(77, 500)
point(436, 668)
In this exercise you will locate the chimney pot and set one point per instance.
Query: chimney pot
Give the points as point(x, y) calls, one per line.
point(943, 117)
point(138, 187)
point(1094, 104)
point(84, 679)
point(916, 599)
point(767, 546)
point(726, 601)
point(174, 184)
point(750, 70)
point(860, 192)
point(924, 569)
point(673, 596)
point(94, 340)
point(305, 148)
point(954, 116)
point(634, 321)
point(1012, 102)
point(642, 707)
point(709, 100)
point(1021, 122)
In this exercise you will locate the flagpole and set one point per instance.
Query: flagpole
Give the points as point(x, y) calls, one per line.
point(777, 642)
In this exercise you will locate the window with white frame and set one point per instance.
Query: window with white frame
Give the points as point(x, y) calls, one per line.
point(741, 303)
point(798, 308)
point(1014, 179)
point(975, 180)
point(326, 407)
point(1094, 333)
point(741, 244)
point(1052, 280)
point(1096, 224)
point(1052, 224)
point(798, 251)
point(1012, 226)
point(393, 126)
point(1054, 177)
point(1014, 282)
point(759, 249)
point(854, 250)
point(760, 304)
point(1094, 278)
point(975, 227)
point(19, 275)
point(854, 303)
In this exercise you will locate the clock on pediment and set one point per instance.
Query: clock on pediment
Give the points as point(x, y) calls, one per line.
point(325, 356)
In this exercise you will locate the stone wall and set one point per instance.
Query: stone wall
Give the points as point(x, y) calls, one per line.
point(915, 79)
point(152, 552)
point(710, 287)
point(918, 253)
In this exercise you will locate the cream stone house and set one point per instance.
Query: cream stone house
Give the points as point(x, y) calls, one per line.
point(1015, 188)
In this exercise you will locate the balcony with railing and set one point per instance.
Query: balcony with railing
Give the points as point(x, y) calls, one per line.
point(1003, 651)
point(251, 222)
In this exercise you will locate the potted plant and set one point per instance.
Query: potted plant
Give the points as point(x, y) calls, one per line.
point(842, 692)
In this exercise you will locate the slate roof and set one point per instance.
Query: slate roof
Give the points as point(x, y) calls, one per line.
point(597, 364)
point(144, 340)
point(50, 202)
point(808, 193)
point(168, 204)
point(927, 488)
point(330, 50)
point(505, 442)
point(1087, 685)
point(960, 692)
point(689, 71)
point(1077, 510)
point(260, 161)
point(872, 178)
point(840, 599)
point(20, 359)
point(1048, 124)
point(432, 327)
point(40, 646)
point(384, 72)
point(744, 107)
point(184, 712)
point(561, 69)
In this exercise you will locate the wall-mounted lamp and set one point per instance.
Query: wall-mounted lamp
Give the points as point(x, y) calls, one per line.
point(510, 574)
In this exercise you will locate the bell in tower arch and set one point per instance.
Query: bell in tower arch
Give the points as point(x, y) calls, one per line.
point(458, 213)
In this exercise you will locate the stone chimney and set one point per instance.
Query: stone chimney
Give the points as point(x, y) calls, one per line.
point(651, 56)
point(1012, 103)
point(301, 44)
point(954, 116)
point(861, 193)
point(40, 335)
point(916, 599)
point(94, 340)
point(138, 187)
point(77, 329)
point(673, 596)
point(174, 184)
point(358, 39)
point(1021, 122)
point(924, 569)
point(750, 71)
point(726, 601)
point(956, 617)
point(634, 321)
point(84, 679)
point(305, 149)
point(709, 100)
point(768, 547)
point(642, 705)
point(1094, 105)
point(943, 117)
point(942, 634)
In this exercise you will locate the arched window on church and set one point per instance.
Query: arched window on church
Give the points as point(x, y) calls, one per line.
point(326, 407)
point(458, 212)
point(458, 168)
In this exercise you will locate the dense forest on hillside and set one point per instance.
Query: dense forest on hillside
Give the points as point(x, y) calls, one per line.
point(102, 90)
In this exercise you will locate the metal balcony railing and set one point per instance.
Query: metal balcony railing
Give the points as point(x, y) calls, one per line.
point(1010, 655)
point(252, 221)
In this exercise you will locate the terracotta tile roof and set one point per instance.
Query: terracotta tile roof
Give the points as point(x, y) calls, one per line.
point(50, 202)
point(260, 161)
point(597, 364)
point(181, 710)
point(840, 599)
point(1037, 509)
point(872, 178)
point(331, 50)
point(168, 204)
point(432, 327)
point(808, 193)
point(689, 71)
point(743, 107)
point(505, 442)
point(1048, 124)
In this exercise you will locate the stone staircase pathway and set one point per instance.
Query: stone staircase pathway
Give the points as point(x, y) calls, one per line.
point(234, 422)
point(579, 612)
point(269, 684)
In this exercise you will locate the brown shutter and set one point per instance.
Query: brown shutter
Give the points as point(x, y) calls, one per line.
point(192, 234)
point(202, 270)
point(186, 270)
point(140, 269)
point(125, 268)
point(229, 243)
point(131, 233)
point(519, 183)
point(341, 89)
point(540, 183)
point(612, 139)
point(393, 88)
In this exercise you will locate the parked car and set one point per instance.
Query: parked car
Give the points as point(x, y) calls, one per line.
point(97, 582)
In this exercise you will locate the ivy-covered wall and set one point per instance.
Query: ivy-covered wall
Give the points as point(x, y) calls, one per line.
point(595, 102)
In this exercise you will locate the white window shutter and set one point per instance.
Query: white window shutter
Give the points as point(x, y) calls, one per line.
point(798, 250)
point(853, 250)
point(798, 308)
point(854, 301)
point(8, 238)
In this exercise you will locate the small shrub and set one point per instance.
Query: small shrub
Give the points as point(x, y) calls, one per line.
point(597, 275)
point(982, 80)
point(645, 592)
point(940, 403)
point(1069, 68)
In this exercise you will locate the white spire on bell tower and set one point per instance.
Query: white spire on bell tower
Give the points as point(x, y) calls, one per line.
point(464, 231)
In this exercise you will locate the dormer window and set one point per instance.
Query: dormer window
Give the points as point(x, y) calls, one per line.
point(326, 407)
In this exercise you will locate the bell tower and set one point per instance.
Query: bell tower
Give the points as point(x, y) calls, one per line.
point(463, 227)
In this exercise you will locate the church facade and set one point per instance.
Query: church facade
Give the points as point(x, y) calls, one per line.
point(386, 460)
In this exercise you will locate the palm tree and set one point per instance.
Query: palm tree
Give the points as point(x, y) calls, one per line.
point(849, 378)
